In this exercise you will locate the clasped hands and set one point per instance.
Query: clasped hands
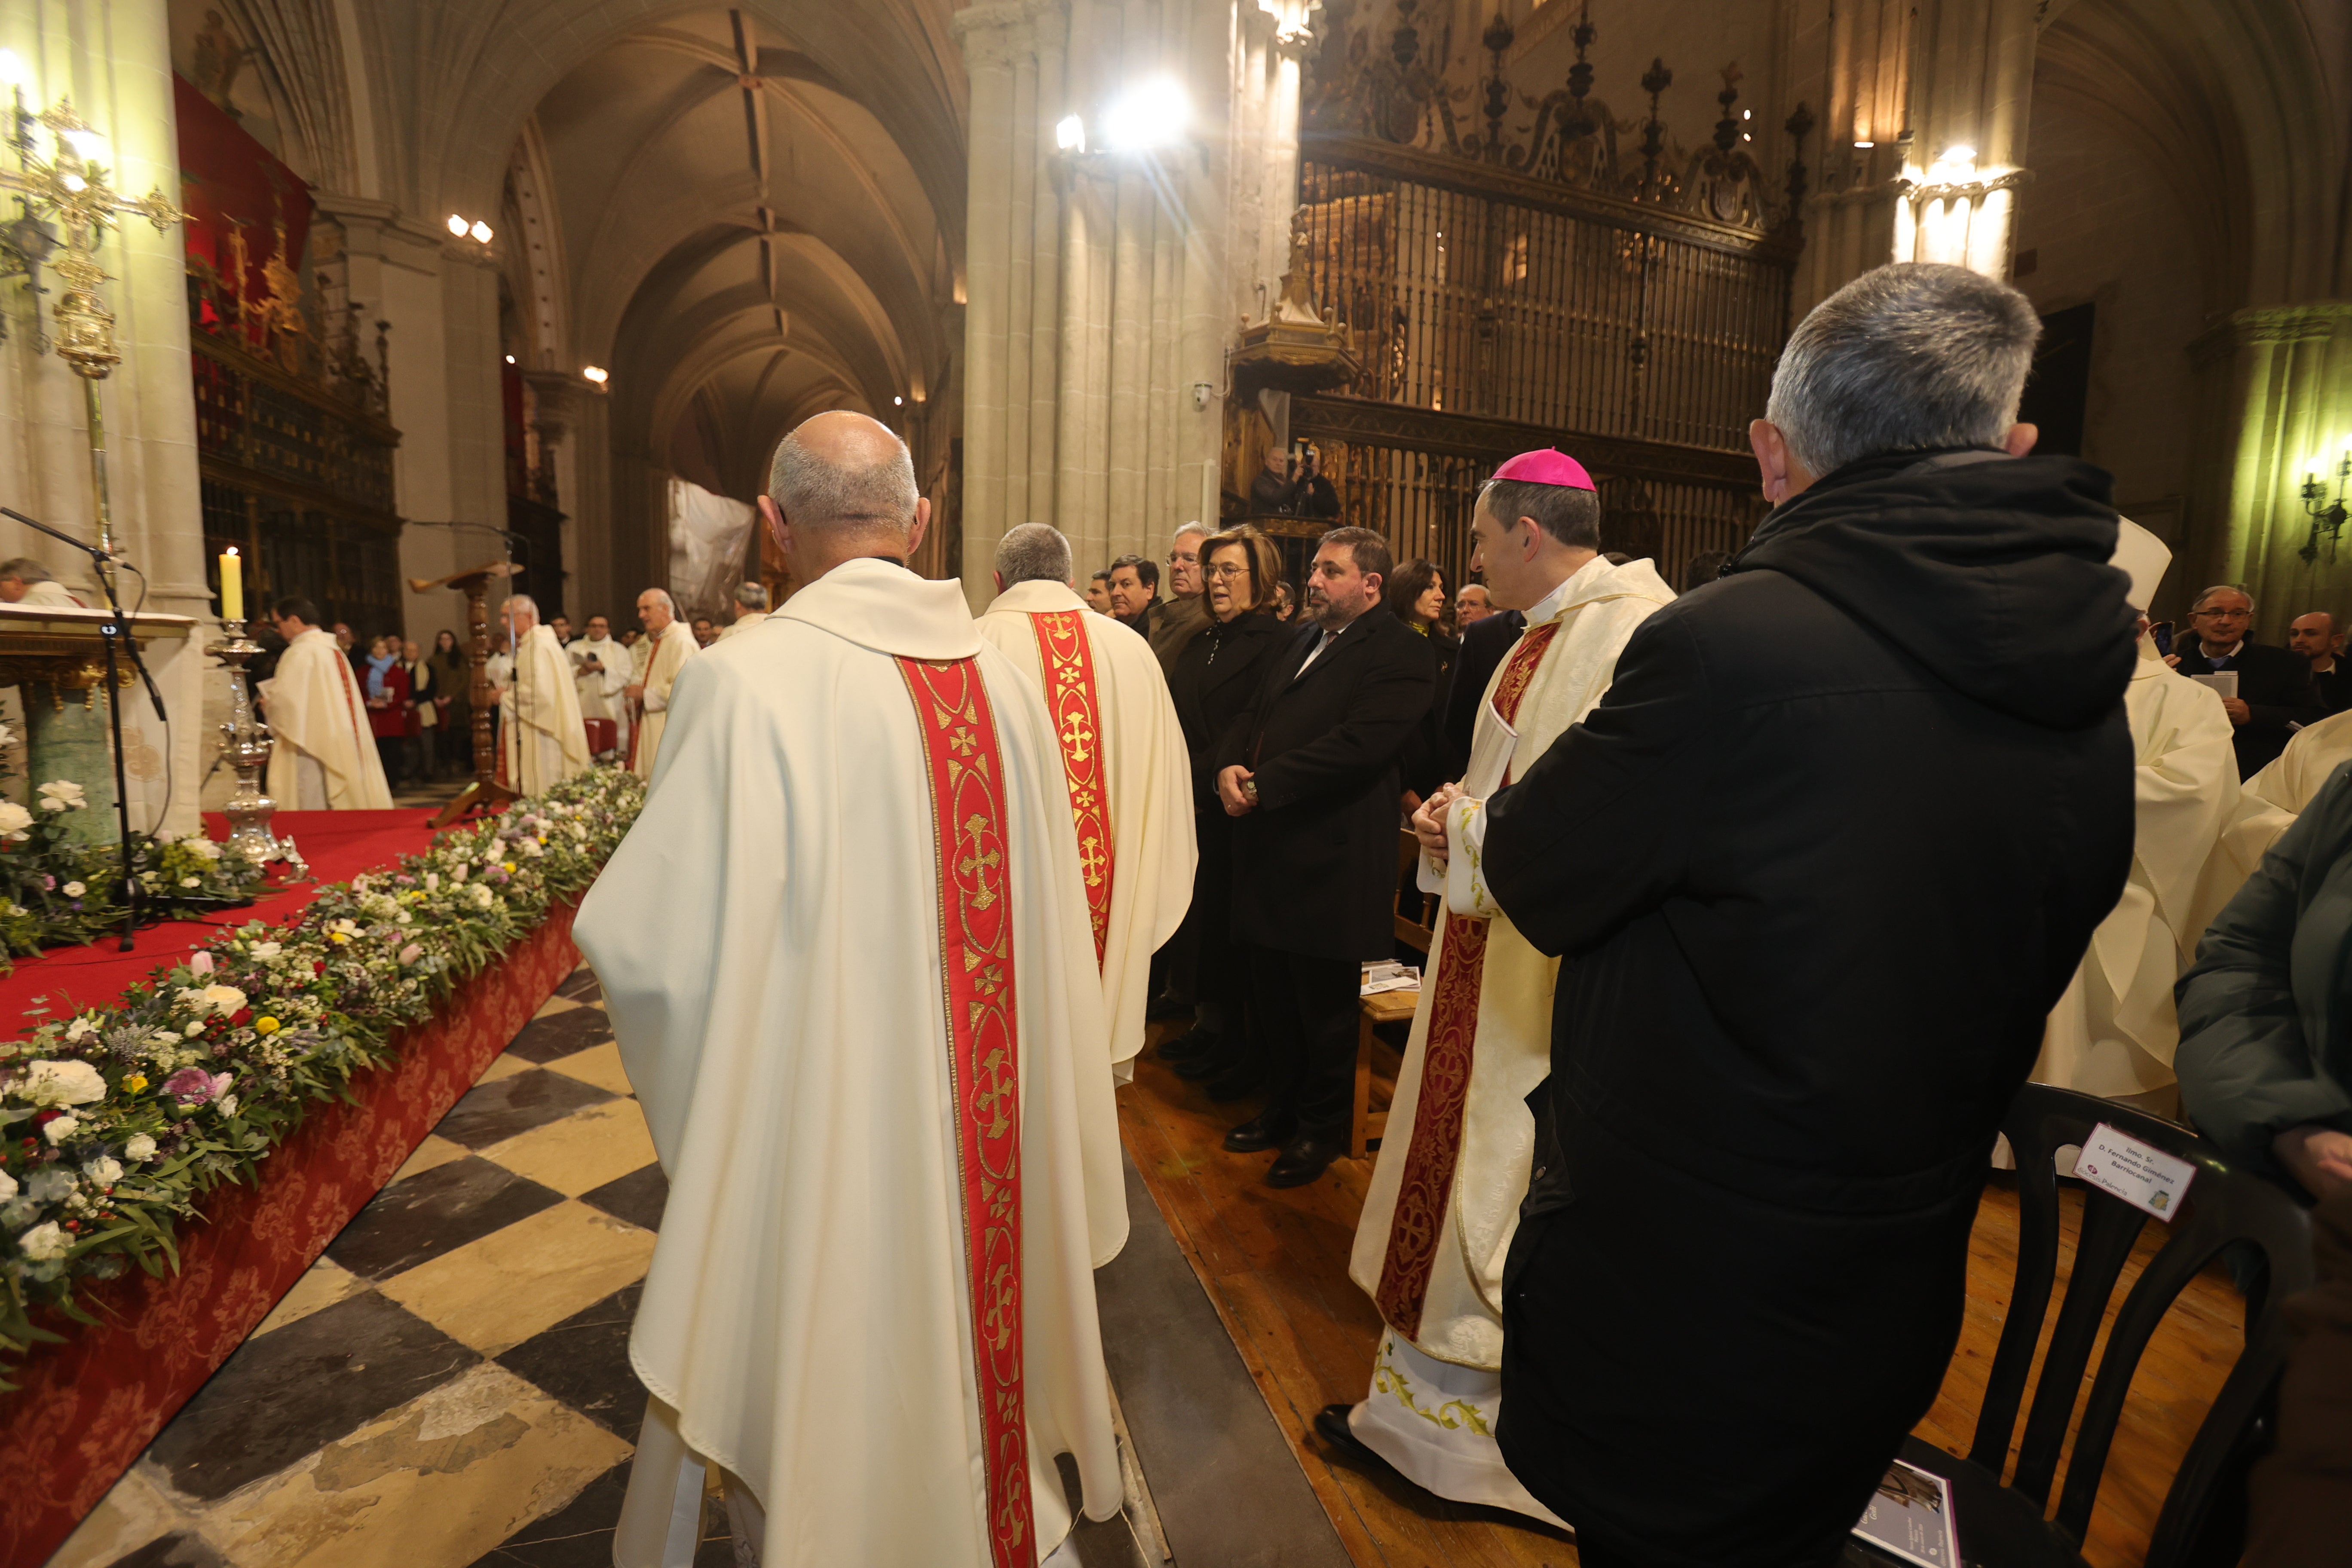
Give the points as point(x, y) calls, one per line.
point(1235, 790)
point(1429, 822)
point(2318, 1157)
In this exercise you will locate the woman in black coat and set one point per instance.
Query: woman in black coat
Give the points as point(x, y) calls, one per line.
point(1213, 680)
point(1417, 598)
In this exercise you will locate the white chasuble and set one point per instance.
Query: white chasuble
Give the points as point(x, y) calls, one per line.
point(544, 739)
point(666, 655)
point(1454, 1165)
point(847, 955)
point(318, 715)
point(600, 689)
point(2114, 1032)
point(1121, 750)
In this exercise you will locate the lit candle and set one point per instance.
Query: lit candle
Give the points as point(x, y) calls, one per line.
point(232, 586)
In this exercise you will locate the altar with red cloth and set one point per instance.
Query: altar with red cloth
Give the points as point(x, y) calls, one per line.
point(339, 845)
point(85, 1409)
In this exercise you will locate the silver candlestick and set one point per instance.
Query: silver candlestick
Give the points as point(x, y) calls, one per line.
point(245, 744)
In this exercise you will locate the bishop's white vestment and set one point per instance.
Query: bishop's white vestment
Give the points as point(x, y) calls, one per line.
point(600, 690)
point(2114, 1032)
point(2268, 804)
point(1122, 753)
point(665, 654)
point(539, 729)
point(847, 955)
point(1453, 1164)
point(325, 757)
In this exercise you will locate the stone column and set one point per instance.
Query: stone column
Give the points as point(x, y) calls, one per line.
point(2275, 390)
point(67, 737)
point(1971, 86)
point(993, 36)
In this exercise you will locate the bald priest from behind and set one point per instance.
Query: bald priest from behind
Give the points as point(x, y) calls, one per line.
point(1807, 950)
point(1122, 753)
point(847, 957)
point(325, 759)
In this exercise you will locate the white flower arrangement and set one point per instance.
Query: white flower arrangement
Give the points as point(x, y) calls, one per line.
point(62, 794)
point(196, 1075)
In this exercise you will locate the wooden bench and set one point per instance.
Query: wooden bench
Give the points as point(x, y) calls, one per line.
point(1416, 913)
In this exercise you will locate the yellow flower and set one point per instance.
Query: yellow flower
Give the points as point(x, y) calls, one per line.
point(265, 1025)
point(135, 1082)
point(507, 868)
point(340, 938)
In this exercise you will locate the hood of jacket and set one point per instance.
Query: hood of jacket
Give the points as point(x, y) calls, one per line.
point(1990, 570)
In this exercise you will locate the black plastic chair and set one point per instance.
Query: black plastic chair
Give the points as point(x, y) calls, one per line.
point(2227, 1210)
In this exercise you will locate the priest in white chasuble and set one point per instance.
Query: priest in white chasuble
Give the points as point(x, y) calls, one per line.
point(539, 727)
point(1121, 751)
point(324, 758)
point(2114, 1032)
point(1453, 1164)
point(847, 954)
point(602, 669)
point(668, 644)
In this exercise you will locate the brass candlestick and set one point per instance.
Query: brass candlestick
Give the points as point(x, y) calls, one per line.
point(246, 743)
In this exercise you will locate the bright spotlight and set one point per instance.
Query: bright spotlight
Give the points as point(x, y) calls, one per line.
point(482, 231)
point(898, 403)
point(11, 69)
point(595, 373)
point(1962, 155)
point(456, 226)
point(510, 359)
point(1070, 134)
point(1151, 114)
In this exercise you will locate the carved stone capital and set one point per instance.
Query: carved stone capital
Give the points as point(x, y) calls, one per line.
point(2314, 322)
point(995, 36)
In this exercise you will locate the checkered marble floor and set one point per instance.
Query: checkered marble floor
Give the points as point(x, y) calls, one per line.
point(450, 1386)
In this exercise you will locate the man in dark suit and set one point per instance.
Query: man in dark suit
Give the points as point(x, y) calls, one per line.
point(2314, 639)
point(2273, 685)
point(1310, 771)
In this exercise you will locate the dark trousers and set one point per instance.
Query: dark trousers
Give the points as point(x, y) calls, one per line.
point(1303, 1016)
point(389, 751)
point(1651, 1307)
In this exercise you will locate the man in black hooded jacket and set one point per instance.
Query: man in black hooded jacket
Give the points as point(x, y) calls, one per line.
point(1819, 865)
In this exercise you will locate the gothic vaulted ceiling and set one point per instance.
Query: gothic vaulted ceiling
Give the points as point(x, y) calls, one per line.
point(741, 232)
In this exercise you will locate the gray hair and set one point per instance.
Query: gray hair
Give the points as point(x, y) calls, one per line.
point(522, 602)
point(1203, 528)
point(1034, 553)
point(2194, 605)
point(25, 569)
point(812, 491)
point(1913, 356)
point(662, 595)
point(751, 596)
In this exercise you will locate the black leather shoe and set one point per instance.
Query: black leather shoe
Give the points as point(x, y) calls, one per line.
point(1331, 1426)
point(1267, 1130)
point(1304, 1158)
point(1191, 1043)
point(1202, 1065)
point(1235, 1081)
point(1166, 1006)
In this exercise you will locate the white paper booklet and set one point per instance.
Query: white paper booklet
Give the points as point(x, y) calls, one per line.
point(1910, 1515)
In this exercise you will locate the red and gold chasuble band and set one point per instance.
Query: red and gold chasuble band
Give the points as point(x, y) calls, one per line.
point(968, 823)
point(1430, 1159)
point(1069, 661)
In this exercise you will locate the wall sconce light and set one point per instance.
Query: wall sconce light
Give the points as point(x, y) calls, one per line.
point(595, 375)
point(1151, 114)
point(459, 229)
point(1070, 134)
point(456, 226)
point(898, 402)
point(2326, 515)
point(481, 232)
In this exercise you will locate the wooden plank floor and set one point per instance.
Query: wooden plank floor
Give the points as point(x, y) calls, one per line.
point(1275, 1265)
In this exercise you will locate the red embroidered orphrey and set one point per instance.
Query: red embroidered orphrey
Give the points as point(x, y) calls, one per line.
point(1070, 660)
point(1436, 1146)
point(968, 819)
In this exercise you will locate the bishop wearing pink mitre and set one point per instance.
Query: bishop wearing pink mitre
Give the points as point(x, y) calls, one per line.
point(848, 959)
point(1454, 1165)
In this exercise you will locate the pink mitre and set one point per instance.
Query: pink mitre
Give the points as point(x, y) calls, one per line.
point(1548, 467)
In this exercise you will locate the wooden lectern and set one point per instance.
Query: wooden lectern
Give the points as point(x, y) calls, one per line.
point(486, 791)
